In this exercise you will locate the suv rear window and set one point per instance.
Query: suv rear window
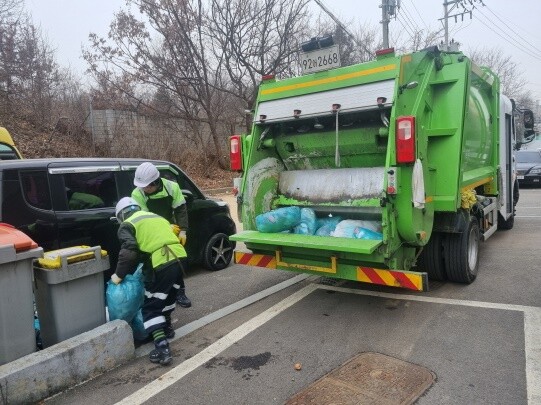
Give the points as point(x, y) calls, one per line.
point(36, 189)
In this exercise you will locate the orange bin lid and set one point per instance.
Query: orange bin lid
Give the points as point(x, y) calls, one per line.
point(9, 235)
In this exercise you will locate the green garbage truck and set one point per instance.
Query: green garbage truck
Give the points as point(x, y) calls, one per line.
point(419, 144)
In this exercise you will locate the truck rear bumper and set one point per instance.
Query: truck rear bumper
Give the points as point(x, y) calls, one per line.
point(393, 278)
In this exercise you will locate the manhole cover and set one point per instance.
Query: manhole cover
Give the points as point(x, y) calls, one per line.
point(369, 378)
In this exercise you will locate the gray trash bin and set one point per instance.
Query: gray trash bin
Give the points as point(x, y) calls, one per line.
point(17, 334)
point(70, 292)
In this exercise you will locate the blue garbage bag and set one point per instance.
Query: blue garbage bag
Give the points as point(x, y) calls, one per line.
point(365, 233)
point(278, 220)
point(324, 226)
point(124, 300)
point(351, 228)
point(307, 226)
point(139, 332)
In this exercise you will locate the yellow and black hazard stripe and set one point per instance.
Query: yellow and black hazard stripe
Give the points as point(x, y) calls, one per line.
point(391, 278)
point(251, 259)
point(403, 279)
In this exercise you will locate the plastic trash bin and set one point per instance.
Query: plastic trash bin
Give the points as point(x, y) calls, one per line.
point(17, 335)
point(70, 292)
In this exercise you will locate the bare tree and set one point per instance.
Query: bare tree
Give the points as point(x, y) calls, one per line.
point(256, 38)
point(9, 9)
point(513, 83)
point(163, 47)
point(201, 60)
point(29, 75)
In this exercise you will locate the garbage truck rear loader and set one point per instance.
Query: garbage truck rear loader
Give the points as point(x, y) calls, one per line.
point(420, 144)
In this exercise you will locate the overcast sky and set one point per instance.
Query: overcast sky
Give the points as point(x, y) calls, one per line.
point(512, 26)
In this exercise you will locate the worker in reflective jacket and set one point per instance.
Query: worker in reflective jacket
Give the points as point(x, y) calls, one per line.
point(148, 238)
point(81, 201)
point(163, 197)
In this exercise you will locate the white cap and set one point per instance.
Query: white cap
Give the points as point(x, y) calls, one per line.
point(125, 205)
point(145, 174)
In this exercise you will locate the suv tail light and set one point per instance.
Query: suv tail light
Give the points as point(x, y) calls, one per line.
point(405, 139)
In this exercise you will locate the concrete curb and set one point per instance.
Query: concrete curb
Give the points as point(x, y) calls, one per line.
point(44, 373)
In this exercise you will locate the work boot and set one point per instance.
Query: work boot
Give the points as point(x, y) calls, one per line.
point(169, 331)
point(161, 354)
point(182, 300)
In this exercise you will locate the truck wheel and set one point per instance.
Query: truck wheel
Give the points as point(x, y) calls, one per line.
point(218, 252)
point(431, 259)
point(461, 253)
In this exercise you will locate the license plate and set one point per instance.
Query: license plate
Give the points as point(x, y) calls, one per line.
point(320, 59)
point(520, 177)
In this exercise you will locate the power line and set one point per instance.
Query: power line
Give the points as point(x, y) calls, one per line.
point(454, 5)
point(419, 14)
point(403, 21)
point(516, 33)
point(516, 25)
point(407, 28)
point(410, 18)
point(509, 39)
point(461, 27)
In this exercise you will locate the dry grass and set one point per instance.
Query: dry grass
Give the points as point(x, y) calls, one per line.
point(205, 172)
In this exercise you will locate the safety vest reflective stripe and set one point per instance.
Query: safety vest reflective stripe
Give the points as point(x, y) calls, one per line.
point(160, 296)
point(154, 321)
point(155, 236)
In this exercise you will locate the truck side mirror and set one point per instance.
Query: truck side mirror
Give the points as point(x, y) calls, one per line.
point(528, 119)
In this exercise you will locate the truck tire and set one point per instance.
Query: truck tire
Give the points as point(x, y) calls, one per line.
point(516, 194)
point(431, 259)
point(218, 252)
point(461, 254)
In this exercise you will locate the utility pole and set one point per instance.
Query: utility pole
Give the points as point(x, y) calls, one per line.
point(388, 9)
point(337, 21)
point(467, 8)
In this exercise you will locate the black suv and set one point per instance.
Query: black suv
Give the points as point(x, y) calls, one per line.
point(35, 195)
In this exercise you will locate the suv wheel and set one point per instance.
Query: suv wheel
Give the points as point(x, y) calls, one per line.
point(218, 252)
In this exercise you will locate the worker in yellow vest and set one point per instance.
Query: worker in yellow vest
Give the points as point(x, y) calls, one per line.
point(148, 238)
point(163, 197)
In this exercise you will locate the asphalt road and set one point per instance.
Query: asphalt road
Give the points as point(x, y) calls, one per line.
point(480, 342)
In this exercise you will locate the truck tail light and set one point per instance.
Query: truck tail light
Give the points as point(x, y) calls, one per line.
point(235, 152)
point(405, 139)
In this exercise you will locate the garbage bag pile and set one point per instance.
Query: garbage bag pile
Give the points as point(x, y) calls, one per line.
point(303, 221)
point(124, 302)
point(278, 220)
